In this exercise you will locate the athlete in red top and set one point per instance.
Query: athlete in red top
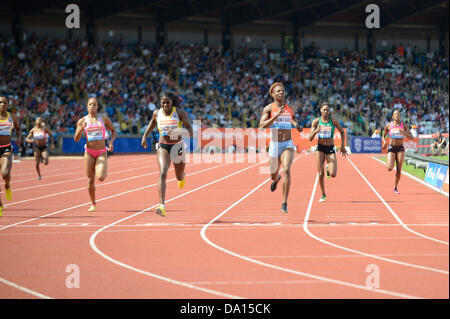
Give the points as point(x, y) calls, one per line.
point(279, 117)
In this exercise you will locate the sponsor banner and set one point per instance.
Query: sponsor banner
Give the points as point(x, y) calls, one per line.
point(445, 185)
point(360, 144)
point(436, 174)
point(121, 145)
point(245, 138)
point(425, 141)
point(409, 145)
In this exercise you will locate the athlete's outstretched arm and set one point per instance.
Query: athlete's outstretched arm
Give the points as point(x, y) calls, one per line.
point(294, 123)
point(383, 136)
point(343, 137)
point(47, 130)
point(407, 132)
point(314, 129)
point(30, 135)
point(187, 123)
point(81, 124)
point(18, 129)
point(111, 127)
point(150, 127)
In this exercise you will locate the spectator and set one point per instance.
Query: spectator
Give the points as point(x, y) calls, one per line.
point(53, 77)
point(439, 143)
point(414, 131)
point(376, 134)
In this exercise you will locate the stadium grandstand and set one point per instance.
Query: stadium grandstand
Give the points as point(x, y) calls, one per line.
point(224, 149)
point(221, 56)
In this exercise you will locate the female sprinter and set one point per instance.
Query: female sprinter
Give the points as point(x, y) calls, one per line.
point(396, 152)
point(324, 127)
point(39, 135)
point(7, 123)
point(280, 118)
point(169, 119)
point(95, 157)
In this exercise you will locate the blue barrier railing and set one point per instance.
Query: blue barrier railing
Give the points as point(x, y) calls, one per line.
point(364, 144)
point(122, 144)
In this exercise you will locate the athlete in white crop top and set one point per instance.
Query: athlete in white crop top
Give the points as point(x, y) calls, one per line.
point(169, 119)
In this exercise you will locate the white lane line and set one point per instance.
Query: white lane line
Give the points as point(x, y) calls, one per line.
point(14, 285)
point(391, 210)
point(173, 281)
point(357, 256)
point(296, 272)
point(81, 178)
point(188, 222)
point(65, 168)
point(305, 228)
point(21, 288)
point(257, 282)
point(102, 199)
point(415, 178)
point(83, 188)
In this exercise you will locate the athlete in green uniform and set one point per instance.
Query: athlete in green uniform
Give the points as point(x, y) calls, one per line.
point(324, 127)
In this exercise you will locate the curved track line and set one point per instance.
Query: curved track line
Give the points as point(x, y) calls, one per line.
point(98, 251)
point(102, 199)
point(392, 211)
point(295, 272)
point(14, 285)
point(31, 292)
point(305, 228)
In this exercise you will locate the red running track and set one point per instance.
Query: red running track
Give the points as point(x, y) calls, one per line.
point(223, 236)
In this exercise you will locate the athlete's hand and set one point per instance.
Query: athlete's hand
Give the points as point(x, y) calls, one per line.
point(315, 130)
point(344, 151)
point(299, 129)
point(384, 146)
point(52, 146)
point(110, 148)
point(144, 143)
point(83, 123)
point(280, 111)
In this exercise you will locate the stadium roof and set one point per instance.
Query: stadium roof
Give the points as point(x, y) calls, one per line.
point(238, 12)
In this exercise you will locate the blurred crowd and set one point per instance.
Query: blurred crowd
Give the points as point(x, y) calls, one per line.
point(53, 78)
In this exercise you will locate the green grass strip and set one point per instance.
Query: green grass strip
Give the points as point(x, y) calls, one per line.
point(417, 172)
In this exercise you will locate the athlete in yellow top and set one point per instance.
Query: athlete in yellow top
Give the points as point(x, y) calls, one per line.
point(169, 119)
point(8, 121)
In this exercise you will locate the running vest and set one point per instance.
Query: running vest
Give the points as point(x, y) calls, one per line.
point(39, 135)
point(6, 125)
point(394, 130)
point(168, 123)
point(284, 121)
point(95, 131)
point(326, 129)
